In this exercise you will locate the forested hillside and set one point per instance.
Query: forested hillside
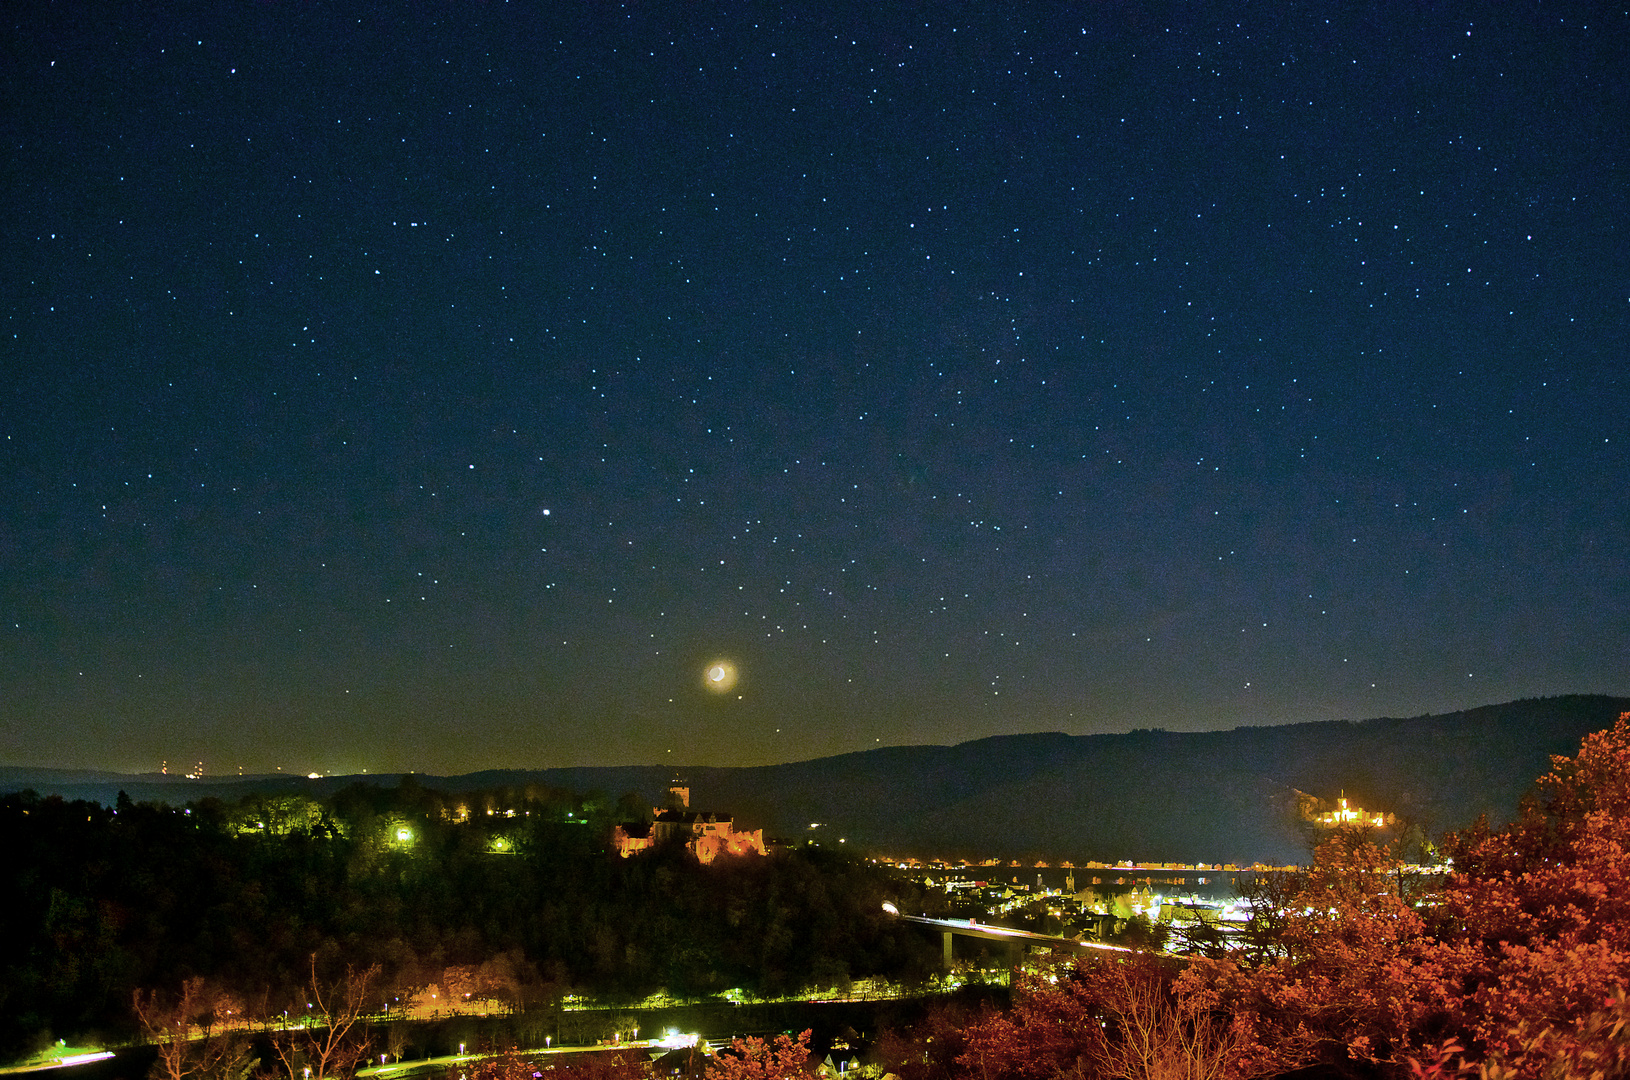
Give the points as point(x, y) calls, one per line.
point(103, 900)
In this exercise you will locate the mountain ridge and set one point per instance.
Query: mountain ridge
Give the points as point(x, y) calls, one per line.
point(1217, 796)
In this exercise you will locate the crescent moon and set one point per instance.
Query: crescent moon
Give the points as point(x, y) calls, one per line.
point(719, 676)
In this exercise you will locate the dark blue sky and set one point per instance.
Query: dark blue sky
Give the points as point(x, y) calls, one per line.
point(446, 386)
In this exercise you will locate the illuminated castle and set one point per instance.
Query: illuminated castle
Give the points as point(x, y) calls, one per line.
point(1345, 815)
point(705, 833)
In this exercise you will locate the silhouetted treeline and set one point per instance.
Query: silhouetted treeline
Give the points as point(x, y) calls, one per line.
point(513, 894)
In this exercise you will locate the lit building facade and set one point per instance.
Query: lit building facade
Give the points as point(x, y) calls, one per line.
point(706, 833)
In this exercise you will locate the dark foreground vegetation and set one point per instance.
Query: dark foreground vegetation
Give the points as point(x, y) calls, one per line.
point(1516, 964)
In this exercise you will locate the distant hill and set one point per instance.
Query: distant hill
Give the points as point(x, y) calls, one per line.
point(1227, 796)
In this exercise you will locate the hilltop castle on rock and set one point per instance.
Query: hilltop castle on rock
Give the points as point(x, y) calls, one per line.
point(705, 833)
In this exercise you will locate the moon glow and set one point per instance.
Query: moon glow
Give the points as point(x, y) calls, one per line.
point(719, 676)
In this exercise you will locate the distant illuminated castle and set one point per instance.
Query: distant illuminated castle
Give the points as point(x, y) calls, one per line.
point(705, 833)
point(1345, 815)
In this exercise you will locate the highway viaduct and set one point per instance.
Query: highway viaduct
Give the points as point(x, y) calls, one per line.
point(973, 928)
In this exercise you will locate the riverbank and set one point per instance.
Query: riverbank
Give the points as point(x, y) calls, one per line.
point(426, 1049)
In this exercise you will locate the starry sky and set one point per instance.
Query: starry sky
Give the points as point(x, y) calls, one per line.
point(454, 386)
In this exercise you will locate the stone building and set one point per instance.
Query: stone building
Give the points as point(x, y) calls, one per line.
point(706, 833)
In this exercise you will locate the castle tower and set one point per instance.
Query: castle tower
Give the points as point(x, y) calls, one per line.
point(678, 795)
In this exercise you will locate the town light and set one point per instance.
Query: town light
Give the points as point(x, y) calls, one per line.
point(675, 1040)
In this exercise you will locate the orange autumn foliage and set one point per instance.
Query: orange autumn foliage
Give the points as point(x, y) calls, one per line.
point(755, 1059)
point(1517, 967)
point(1355, 973)
point(1540, 915)
point(1111, 1016)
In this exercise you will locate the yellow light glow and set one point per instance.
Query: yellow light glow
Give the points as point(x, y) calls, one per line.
point(719, 676)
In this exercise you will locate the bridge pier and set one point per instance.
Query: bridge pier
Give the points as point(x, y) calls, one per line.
point(946, 956)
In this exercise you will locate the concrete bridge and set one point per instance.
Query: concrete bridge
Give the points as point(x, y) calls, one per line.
point(973, 928)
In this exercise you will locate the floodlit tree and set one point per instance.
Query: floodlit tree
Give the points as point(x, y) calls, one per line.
point(183, 1029)
point(1518, 968)
point(755, 1059)
point(1153, 1034)
point(1053, 1029)
point(929, 1048)
point(1106, 1016)
point(396, 1039)
point(1540, 911)
point(1350, 971)
point(331, 1042)
point(277, 815)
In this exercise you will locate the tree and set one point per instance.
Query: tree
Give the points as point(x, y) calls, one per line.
point(928, 1049)
point(277, 815)
point(1540, 912)
point(1518, 968)
point(1106, 1016)
point(396, 1039)
point(182, 1028)
point(1053, 1029)
point(330, 1042)
point(1153, 1033)
point(754, 1059)
point(1268, 896)
point(1349, 972)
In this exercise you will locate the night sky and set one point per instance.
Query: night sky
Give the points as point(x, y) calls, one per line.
point(448, 386)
